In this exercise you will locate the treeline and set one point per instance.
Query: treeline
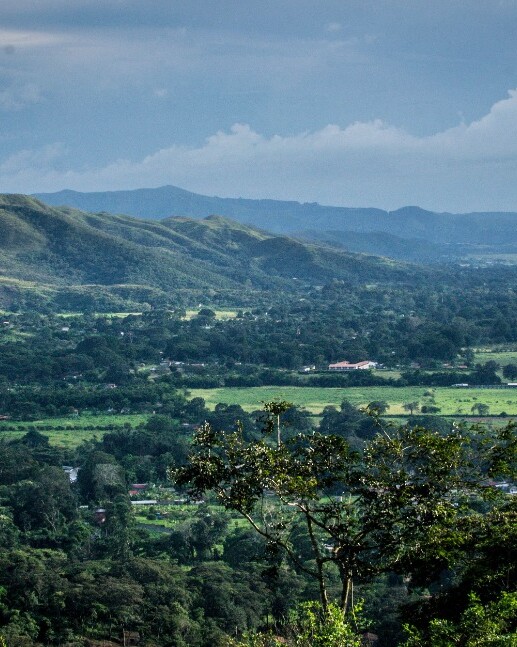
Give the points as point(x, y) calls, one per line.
point(51, 365)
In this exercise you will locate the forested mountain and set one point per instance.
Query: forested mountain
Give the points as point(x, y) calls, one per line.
point(492, 229)
point(65, 247)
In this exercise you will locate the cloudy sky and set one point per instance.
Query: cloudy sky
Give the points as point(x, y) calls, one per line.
point(349, 102)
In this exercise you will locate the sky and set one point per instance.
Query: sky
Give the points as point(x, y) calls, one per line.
point(363, 103)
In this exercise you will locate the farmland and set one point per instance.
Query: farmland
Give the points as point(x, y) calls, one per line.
point(69, 432)
point(450, 400)
point(502, 357)
point(220, 313)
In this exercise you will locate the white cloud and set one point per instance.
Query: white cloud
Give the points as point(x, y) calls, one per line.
point(11, 40)
point(492, 136)
point(470, 166)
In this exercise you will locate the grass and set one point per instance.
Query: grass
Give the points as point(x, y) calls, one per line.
point(8, 335)
point(178, 514)
point(386, 374)
point(69, 432)
point(115, 315)
point(221, 313)
point(501, 357)
point(86, 419)
point(451, 401)
point(64, 439)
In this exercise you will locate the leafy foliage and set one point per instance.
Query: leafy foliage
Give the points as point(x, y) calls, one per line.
point(404, 504)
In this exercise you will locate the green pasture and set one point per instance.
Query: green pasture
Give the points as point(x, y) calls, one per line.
point(69, 431)
point(221, 313)
point(66, 439)
point(180, 514)
point(114, 315)
point(501, 357)
point(451, 401)
point(387, 374)
point(8, 335)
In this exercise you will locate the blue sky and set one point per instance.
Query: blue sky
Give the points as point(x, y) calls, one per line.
point(349, 102)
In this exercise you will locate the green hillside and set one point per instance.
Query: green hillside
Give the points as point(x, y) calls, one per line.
point(64, 254)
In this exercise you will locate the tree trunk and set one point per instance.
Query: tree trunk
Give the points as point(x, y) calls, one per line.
point(319, 564)
point(346, 591)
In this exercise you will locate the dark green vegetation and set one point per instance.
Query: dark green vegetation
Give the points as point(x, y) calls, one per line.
point(82, 365)
point(194, 575)
point(66, 260)
point(410, 233)
point(300, 304)
point(413, 503)
point(408, 519)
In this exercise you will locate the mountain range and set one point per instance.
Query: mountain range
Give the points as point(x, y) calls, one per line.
point(63, 253)
point(409, 233)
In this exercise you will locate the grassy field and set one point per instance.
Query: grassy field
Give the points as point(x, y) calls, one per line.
point(67, 431)
point(501, 357)
point(65, 439)
point(8, 335)
point(222, 313)
point(451, 401)
point(177, 514)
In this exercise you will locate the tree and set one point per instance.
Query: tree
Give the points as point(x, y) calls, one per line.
point(100, 477)
point(430, 408)
point(411, 407)
point(481, 408)
point(307, 626)
point(207, 530)
point(510, 371)
point(485, 373)
point(392, 507)
point(44, 503)
point(479, 624)
point(117, 539)
point(378, 407)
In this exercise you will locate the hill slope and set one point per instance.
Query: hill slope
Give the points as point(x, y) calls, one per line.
point(63, 247)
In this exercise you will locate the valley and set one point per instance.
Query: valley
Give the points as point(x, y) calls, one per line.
point(167, 389)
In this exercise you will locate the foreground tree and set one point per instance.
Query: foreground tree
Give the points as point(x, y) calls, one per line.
point(404, 504)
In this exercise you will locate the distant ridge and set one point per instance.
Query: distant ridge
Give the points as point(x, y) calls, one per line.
point(412, 222)
point(156, 204)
